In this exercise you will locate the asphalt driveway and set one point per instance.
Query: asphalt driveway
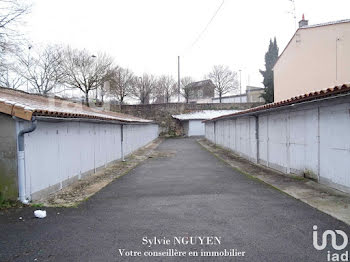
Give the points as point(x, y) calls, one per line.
point(188, 193)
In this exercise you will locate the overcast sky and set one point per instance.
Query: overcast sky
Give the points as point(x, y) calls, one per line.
point(147, 36)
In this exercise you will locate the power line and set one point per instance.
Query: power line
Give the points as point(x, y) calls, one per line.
point(197, 39)
point(206, 27)
point(292, 11)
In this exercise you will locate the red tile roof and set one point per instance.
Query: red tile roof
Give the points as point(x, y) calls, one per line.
point(25, 106)
point(294, 100)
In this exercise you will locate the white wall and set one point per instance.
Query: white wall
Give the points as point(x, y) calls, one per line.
point(57, 152)
point(234, 99)
point(209, 131)
point(237, 135)
point(136, 136)
point(195, 128)
point(310, 138)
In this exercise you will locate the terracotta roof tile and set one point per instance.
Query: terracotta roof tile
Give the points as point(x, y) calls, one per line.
point(25, 106)
point(333, 91)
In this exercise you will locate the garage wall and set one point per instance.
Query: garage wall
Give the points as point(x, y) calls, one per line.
point(136, 136)
point(209, 131)
point(58, 153)
point(308, 139)
point(237, 135)
point(196, 128)
point(334, 145)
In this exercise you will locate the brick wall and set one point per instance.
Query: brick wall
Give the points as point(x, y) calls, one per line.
point(162, 113)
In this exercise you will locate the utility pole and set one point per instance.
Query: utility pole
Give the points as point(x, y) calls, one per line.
point(178, 79)
point(240, 85)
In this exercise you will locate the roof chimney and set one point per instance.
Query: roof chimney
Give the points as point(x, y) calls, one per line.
point(303, 22)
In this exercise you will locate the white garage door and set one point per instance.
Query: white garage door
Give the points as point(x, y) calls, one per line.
point(196, 128)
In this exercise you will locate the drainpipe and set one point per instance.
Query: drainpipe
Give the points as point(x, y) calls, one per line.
point(122, 142)
point(20, 161)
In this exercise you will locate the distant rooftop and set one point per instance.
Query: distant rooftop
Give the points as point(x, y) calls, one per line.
point(204, 114)
point(327, 23)
point(200, 83)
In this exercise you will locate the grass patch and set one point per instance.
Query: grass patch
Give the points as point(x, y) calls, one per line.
point(5, 204)
point(300, 178)
point(37, 205)
point(170, 134)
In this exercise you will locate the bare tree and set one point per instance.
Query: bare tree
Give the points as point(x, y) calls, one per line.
point(166, 87)
point(143, 88)
point(185, 89)
point(12, 12)
point(10, 79)
point(84, 71)
point(120, 83)
point(44, 70)
point(11, 16)
point(223, 79)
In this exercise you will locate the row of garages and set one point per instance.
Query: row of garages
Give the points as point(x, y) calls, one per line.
point(47, 143)
point(308, 135)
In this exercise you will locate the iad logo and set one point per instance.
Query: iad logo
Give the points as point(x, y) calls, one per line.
point(333, 236)
point(343, 242)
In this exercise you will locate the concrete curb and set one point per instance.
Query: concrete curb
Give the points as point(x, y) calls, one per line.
point(330, 201)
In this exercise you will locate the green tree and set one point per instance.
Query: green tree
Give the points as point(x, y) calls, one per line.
point(271, 57)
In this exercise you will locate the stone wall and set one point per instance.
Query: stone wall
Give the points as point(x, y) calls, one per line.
point(162, 113)
point(8, 156)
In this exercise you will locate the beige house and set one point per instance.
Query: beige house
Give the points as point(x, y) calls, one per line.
point(317, 57)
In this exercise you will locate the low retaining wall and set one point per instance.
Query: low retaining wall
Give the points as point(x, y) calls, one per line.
point(162, 113)
point(57, 154)
point(308, 139)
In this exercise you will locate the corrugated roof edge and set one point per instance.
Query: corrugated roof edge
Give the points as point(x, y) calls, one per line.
point(345, 88)
point(25, 112)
